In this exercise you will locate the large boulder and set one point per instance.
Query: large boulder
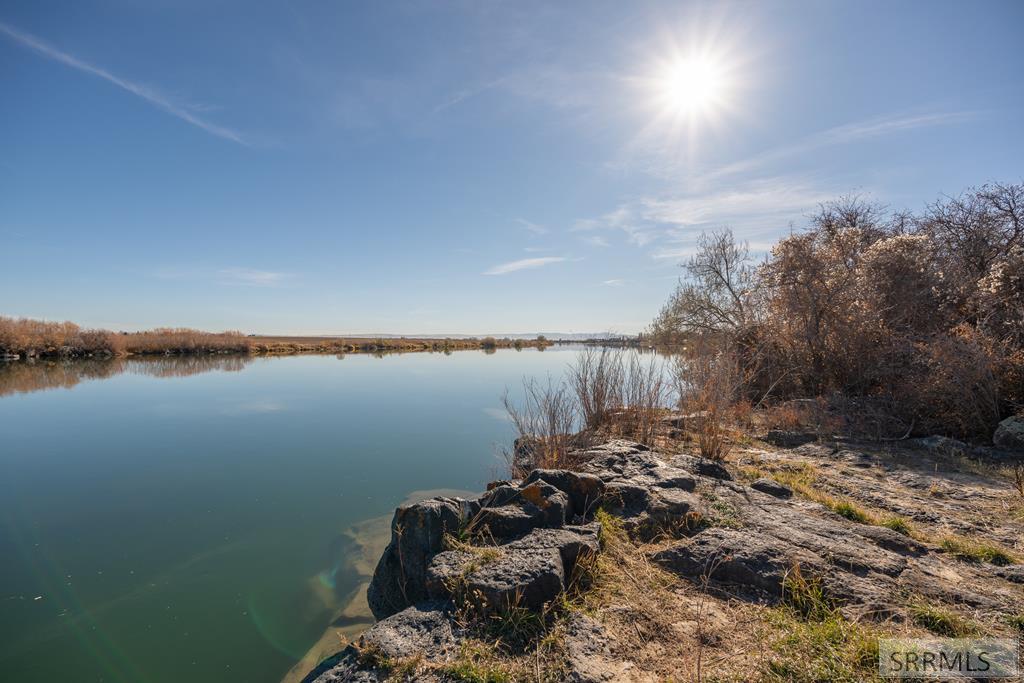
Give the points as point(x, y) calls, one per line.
point(417, 534)
point(584, 490)
point(528, 572)
point(1010, 433)
point(425, 630)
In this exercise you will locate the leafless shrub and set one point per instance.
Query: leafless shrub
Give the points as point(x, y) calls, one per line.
point(643, 396)
point(597, 380)
point(546, 423)
point(916, 322)
point(708, 385)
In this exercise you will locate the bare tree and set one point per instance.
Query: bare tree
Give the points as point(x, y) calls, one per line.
point(715, 295)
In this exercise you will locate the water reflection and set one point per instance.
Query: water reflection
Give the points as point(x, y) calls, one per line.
point(23, 377)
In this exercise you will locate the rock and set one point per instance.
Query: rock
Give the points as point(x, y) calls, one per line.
point(530, 579)
point(425, 630)
point(626, 497)
point(506, 511)
point(529, 572)
point(426, 627)
point(704, 467)
point(744, 559)
point(668, 504)
point(772, 488)
point(816, 450)
point(417, 533)
point(1010, 433)
point(942, 445)
point(1013, 573)
point(785, 439)
point(584, 490)
point(588, 658)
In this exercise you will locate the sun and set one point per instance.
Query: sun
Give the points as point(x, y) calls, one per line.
point(691, 86)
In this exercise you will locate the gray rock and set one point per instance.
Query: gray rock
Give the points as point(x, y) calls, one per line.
point(626, 497)
point(527, 573)
point(772, 488)
point(506, 522)
point(1013, 573)
point(424, 630)
point(507, 511)
point(417, 533)
point(588, 658)
point(784, 439)
point(702, 466)
point(667, 504)
point(584, 490)
point(1010, 433)
point(529, 578)
point(745, 559)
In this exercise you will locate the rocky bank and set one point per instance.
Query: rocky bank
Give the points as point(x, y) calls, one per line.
point(734, 535)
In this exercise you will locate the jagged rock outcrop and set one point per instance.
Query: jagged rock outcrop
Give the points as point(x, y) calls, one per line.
point(520, 543)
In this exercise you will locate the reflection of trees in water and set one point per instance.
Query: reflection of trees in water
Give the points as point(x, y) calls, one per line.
point(184, 366)
point(20, 377)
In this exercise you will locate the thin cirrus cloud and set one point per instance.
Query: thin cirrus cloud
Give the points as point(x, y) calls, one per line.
point(523, 264)
point(843, 135)
point(184, 112)
point(535, 228)
point(744, 196)
point(251, 277)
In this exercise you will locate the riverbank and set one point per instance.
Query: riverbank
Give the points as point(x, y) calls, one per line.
point(25, 339)
point(786, 561)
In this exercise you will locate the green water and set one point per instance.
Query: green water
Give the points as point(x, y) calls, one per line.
point(190, 520)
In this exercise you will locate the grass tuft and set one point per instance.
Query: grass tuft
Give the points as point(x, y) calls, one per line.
point(941, 621)
point(813, 641)
point(970, 550)
point(897, 524)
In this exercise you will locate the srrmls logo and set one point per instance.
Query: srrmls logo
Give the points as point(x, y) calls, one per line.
point(956, 658)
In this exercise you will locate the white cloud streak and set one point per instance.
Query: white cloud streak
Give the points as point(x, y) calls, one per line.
point(251, 277)
point(154, 97)
point(532, 227)
point(523, 264)
point(842, 135)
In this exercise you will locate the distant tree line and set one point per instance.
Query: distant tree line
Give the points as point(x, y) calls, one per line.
point(39, 338)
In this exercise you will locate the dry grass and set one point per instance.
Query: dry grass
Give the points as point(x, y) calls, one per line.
point(970, 550)
point(709, 387)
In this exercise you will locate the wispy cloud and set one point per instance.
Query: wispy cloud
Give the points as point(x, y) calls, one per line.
point(842, 135)
point(627, 218)
point(596, 241)
point(756, 210)
point(185, 112)
point(532, 227)
point(615, 282)
point(251, 277)
point(523, 264)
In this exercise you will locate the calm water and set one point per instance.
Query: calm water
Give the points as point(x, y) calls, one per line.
point(209, 520)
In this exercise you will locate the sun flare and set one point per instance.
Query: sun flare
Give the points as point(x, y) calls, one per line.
point(692, 86)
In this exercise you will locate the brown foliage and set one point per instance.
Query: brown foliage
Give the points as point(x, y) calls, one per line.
point(39, 338)
point(917, 317)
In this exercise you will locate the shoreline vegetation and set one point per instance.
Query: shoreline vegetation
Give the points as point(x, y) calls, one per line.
point(24, 338)
point(652, 527)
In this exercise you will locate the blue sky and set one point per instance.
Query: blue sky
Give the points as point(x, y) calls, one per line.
point(465, 167)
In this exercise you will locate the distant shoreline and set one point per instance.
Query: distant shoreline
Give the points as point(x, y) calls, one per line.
point(25, 338)
point(290, 346)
